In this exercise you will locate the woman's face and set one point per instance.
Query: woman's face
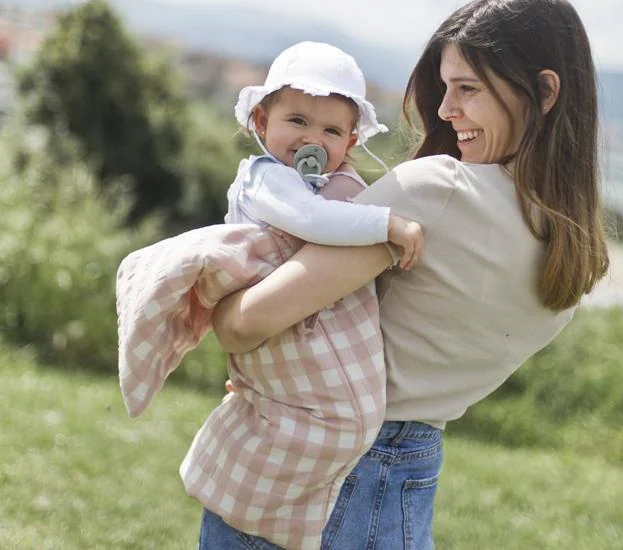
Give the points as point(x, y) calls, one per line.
point(485, 133)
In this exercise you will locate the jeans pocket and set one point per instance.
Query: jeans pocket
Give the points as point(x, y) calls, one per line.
point(255, 543)
point(418, 498)
point(332, 529)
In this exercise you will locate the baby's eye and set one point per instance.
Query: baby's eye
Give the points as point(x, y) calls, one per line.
point(333, 131)
point(297, 120)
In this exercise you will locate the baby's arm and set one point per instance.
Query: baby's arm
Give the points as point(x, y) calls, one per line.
point(282, 200)
point(406, 234)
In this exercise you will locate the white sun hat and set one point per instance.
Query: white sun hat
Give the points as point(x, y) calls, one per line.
point(317, 69)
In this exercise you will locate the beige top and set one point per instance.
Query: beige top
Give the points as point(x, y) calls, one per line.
point(467, 316)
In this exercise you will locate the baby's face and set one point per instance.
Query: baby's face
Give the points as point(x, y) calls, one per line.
point(295, 119)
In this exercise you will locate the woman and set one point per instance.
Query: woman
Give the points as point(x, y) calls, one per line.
point(505, 185)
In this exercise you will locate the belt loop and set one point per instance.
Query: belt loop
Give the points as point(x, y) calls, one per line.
point(406, 428)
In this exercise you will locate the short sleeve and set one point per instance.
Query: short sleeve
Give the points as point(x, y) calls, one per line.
point(417, 190)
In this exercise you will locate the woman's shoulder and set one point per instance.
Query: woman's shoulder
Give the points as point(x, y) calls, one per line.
point(443, 166)
point(447, 169)
point(435, 175)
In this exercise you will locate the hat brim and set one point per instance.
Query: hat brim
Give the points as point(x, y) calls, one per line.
point(251, 96)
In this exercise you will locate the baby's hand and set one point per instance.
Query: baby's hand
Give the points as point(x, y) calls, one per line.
point(408, 236)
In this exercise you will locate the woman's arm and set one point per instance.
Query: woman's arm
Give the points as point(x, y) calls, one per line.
point(313, 278)
point(319, 275)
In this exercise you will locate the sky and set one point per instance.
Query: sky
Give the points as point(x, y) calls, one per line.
point(407, 23)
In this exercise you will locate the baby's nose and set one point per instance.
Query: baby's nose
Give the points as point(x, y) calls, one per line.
point(312, 136)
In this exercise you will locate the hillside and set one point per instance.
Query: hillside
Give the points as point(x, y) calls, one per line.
point(218, 29)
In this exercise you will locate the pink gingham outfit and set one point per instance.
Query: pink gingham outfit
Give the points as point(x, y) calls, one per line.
point(272, 457)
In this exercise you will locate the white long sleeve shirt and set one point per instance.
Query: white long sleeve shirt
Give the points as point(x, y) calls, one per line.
point(266, 192)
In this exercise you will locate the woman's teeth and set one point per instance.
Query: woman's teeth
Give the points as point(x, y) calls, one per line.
point(468, 135)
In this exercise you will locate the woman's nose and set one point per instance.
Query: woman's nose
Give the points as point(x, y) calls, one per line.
point(448, 109)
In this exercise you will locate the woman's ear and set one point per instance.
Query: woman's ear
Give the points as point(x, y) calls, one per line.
point(260, 120)
point(549, 85)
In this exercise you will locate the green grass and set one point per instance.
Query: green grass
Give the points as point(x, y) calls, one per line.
point(493, 498)
point(568, 396)
point(77, 473)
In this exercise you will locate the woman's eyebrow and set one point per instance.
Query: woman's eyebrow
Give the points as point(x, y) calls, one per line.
point(454, 79)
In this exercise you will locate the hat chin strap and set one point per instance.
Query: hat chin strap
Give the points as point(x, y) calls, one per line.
point(259, 141)
point(377, 159)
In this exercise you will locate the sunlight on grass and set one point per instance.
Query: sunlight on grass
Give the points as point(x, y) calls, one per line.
point(77, 473)
point(495, 498)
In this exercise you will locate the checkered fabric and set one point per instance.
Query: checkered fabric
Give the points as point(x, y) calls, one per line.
point(166, 293)
point(272, 457)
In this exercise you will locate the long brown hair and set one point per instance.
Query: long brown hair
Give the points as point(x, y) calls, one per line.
point(556, 168)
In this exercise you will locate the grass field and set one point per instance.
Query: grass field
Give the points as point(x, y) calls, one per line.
point(77, 473)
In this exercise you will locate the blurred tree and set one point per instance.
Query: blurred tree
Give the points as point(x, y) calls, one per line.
point(90, 81)
point(213, 151)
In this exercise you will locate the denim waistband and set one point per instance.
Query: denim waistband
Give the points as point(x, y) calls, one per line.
point(395, 430)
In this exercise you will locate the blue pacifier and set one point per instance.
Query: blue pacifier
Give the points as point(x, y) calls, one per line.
point(310, 161)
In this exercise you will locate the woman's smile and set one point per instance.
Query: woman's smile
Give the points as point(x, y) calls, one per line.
point(467, 135)
point(467, 139)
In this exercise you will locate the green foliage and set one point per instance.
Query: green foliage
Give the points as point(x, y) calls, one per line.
point(614, 224)
point(91, 82)
point(392, 148)
point(60, 248)
point(568, 395)
point(213, 150)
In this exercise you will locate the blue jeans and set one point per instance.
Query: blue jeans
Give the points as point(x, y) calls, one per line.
point(386, 503)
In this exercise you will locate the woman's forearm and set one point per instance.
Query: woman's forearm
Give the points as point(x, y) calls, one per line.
point(312, 279)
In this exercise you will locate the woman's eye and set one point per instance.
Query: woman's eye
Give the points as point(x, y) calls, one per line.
point(467, 89)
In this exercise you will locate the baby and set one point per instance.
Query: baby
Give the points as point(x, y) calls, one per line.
point(271, 459)
point(306, 117)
